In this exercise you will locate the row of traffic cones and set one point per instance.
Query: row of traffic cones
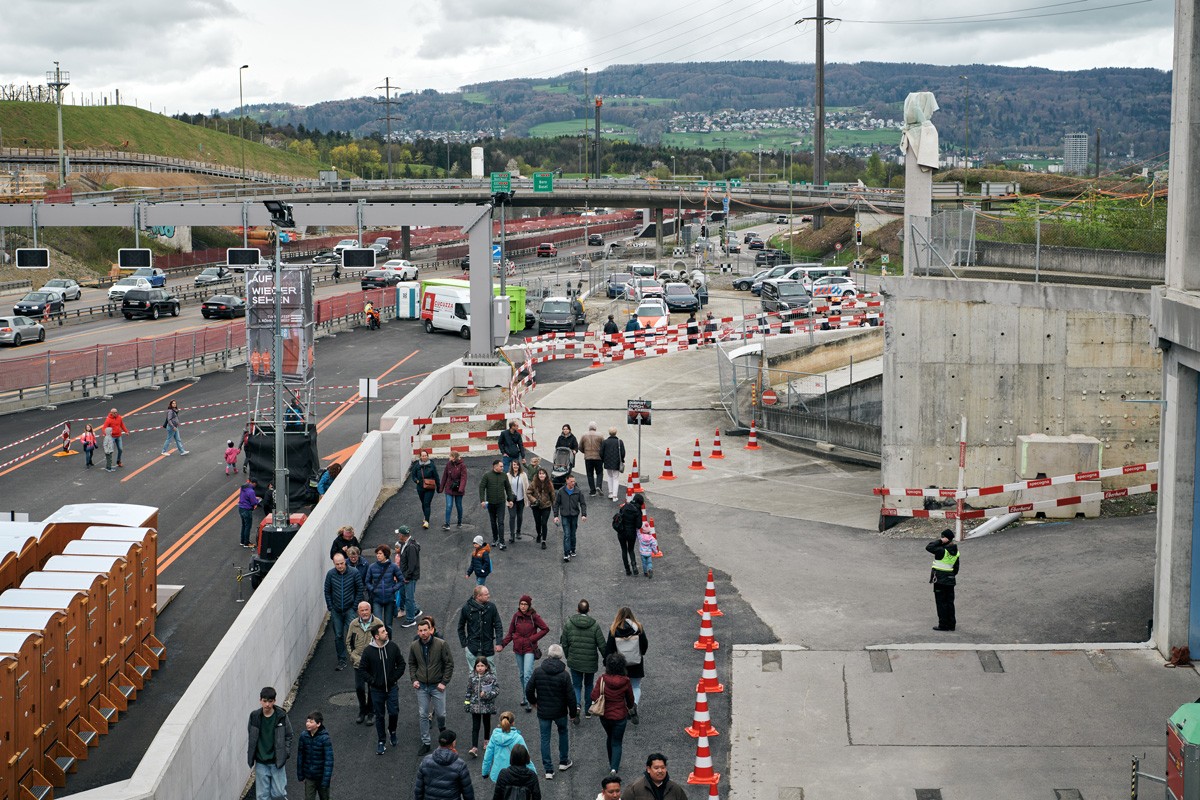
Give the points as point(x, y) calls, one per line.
point(668, 473)
point(702, 728)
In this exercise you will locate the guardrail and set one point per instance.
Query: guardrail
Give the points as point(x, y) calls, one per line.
point(82, 158)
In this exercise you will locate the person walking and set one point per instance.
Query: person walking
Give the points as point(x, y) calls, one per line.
point(495, 492)
point(481, 561)
point(519, 484)
point(631, 522)
point(172, 426)
point(88, 440)
point(627, 636)
point(355, 561)
point(432, 666)
point(498, 753)
point(944, 576)
point(532, 467)
point(247, 501)
point(619, 707)
point(410, 570)
point(518, 779)
point(655, 783)
point(424, 476)
point(610, 787)
point(314, 758)
point(549, 691)
point(327, 478)
point(647, 544)
point(109, 445)
point(590, 444)
point(693, 329)
point(344, 540)
point(231, 457)
point(610, 331)
point(512, 444)
point(117, 423)
point(582, 642)
point(480, 702)
point(454, 486)
point(569, 508)
point(269, 744)
point(567, 439)
point(358, 638)
point(384, 666)
point(383, 580)
point(442, 775)
point(612, 455)
point(343, 591)
point(525, 630)
point(479, 628)
point(541, 500)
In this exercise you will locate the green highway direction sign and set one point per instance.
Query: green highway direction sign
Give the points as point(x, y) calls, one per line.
point(501, 182)
point(543, 181)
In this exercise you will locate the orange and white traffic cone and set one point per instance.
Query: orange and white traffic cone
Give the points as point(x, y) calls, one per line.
point(712, 791)
point(753, 443)
point(667, 473)
point(629, 488)
point(701, 722)
point(658, 553)
point(716, 451)
point(596, 358)
point(471, 391)
point(637, 479)
point(708, 678)
point(706, 640)
point(696, 462)
point(703, 773)
point(710, 599)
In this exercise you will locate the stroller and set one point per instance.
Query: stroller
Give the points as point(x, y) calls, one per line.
point(561, 468)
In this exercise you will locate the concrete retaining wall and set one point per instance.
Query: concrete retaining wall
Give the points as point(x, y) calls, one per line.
point(1102, 263)
point(1014, 358)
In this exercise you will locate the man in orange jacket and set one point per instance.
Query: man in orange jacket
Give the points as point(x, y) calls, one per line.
point(117, 423)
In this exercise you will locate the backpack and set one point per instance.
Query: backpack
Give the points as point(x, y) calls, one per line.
point(616, 521)
point(517, 793)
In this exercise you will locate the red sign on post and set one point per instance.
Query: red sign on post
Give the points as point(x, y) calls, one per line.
point(769, 397)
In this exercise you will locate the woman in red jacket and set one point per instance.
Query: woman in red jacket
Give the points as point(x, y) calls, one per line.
point(454, 486)
point(618, 706)
point(524, 631)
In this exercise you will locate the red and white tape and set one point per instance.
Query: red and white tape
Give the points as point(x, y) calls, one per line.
point(445, 437)
point(1021, 508)
point(1036, 483)
point(465, 448)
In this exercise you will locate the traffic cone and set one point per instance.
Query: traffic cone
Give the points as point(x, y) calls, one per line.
point(703, 773)
point(753, 443)
point(701, 722)
point(637, 479)
point(710, 599)
point(696, 462)
point(471, 391)
point(712, 791)
point(667, 474)
point(708, 679)
point(716, 451)
point(706, 640)
point(654, 532)
point(629, 488)
point(596, 359)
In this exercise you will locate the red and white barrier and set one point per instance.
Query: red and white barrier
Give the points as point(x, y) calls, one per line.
point(1021, 508)
point(464, 418)
point(464, 448)
point(444, 437)
point(1035, 483)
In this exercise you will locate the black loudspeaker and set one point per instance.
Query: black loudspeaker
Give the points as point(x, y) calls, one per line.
point(274, 539)
point(300, 457)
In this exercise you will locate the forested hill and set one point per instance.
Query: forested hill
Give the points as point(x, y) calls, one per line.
point(1011, 109)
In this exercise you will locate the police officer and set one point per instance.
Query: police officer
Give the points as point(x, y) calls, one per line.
point(942, 576)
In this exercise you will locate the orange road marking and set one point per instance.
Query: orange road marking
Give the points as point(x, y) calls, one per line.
point(143, 467)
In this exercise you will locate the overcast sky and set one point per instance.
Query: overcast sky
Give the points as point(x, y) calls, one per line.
point(184, 55)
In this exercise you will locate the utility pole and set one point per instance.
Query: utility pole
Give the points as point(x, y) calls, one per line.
point(1097, 153)
point(586, 95)
point(59, 80)
point(599, 103)
point(387, 114)
point(242, 117)
point(819, 117)
point(967, 121)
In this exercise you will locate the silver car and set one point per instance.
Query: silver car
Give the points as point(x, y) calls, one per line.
point(68, 288)
point(15, 330)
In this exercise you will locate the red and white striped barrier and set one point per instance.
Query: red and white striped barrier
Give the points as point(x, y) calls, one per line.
point(1021, 508)
point(464, 448)
point(445, 437)
point(464, 418)
point(1035, 483)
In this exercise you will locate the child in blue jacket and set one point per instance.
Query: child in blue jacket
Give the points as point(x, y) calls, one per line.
point(481, 561)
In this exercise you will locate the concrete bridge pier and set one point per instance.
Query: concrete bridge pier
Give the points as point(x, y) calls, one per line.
point(405, 241)
point(658, 232)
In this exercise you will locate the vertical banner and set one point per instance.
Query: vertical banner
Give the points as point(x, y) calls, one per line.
point(295, 320)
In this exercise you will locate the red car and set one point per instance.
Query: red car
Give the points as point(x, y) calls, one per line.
point(546, 250)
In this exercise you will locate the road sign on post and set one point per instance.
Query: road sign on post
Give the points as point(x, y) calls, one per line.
point(543, 181)
point(501, 182)
point(496, 253)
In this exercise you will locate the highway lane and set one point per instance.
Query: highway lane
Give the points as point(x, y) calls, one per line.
point(196, 498)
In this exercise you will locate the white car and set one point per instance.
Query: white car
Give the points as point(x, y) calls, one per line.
point(68, 288)
point(402, 267)
point(639, 289)
point(118, 290)
point(652, 315)
point(344, 243)
point(834, 287)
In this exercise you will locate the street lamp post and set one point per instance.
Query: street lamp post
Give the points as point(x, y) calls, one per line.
point(242, 117)
point(672, 167)
point(966, 121)
point(59, 80)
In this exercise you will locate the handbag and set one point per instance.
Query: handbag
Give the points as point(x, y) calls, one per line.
point(597, 707)
point(429, 484)
point(537, 653)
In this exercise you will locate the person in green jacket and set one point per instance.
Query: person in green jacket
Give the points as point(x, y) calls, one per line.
point(496, 494)
point(583, 644)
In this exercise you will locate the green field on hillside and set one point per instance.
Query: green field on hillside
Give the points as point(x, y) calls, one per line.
point(636, 101)
point(477, 97)
point(550, 130)
point(553, 88)
point(777, 139)
point(134, 130)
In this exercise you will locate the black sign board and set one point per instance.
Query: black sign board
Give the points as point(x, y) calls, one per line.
point(33, 258)
point(134, 257)
point(638, 412)
point(358, 258)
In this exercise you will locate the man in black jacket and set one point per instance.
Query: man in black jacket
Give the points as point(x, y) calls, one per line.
point(512, 444)
point(612, 454)
point(442, 775)
point(270, 741)
point(383, 666)
point(479, 629)
point(410, 566)
point(550, 692)
point(943, 576)
point(631, 523)
point(343, 589)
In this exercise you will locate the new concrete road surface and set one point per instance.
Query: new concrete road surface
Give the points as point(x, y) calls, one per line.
point(835, 686)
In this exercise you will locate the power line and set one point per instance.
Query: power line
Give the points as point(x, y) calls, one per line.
point(992, 17)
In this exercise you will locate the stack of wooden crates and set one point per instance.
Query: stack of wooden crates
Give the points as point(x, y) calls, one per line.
point(78, 602)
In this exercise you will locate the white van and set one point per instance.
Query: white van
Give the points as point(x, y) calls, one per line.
point(447, 308)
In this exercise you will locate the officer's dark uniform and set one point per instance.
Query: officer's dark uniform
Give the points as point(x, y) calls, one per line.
point(942, 576)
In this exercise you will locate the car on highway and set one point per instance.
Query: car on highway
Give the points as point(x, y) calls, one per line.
point(743, 284)
point(595, 240)
point(638, 289)
point(118, 289)
point(345, 243)
point(835, 287)
point(156, 276)
point(464, 263)
point(652, 315)
point(546, 250)
point(680, 297)
point(379, 279)
point(381, 249)
point(68, 288)
point(784, 295)
point(616, 284)
point(18, 329)
point(750, 236)
point(40, 304)
point(765, 258)
point(211, 276)
point(556, 314)
point(756, 244)
point(327, 257)
point(782, 219)
point(406, 270)
point(383, 243)
point(733, 246)
point(223, 306)
point(149, 304)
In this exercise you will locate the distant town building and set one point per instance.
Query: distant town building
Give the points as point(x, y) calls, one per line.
point(1075, 153)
